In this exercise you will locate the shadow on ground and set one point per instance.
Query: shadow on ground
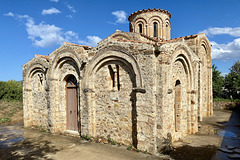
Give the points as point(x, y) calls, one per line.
point(194, 153)
point(29, 149)
point(230, 134)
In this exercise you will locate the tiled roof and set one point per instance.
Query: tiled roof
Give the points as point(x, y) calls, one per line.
point(150, 38)
point(85, 47)
point(179, 38)
point(42, 56)
point(149, 10)
point(125, 40)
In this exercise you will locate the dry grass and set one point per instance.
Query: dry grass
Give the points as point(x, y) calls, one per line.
point(11, 112)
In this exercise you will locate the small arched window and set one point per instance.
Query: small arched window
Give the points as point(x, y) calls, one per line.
point(155, 29)
point(71, 80)
point(140, 28)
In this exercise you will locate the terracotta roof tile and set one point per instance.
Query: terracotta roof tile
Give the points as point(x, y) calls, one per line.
point(85, 47)
point(149, 10)
point(42, 56)
point(124, 40)
point(179, 38)
point(150, 38)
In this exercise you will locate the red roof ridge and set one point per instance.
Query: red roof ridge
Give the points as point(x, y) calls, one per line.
point(150, 38)
point(85, 47)
point(125, 40)
point(42, 56)
point(178, 38)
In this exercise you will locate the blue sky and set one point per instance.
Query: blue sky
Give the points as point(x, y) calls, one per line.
point(30, 27)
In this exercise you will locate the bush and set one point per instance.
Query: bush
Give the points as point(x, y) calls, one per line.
point(5, 120)
point(225, 100)
point(11, 90)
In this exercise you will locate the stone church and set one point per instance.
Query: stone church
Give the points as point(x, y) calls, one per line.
point(134, 87)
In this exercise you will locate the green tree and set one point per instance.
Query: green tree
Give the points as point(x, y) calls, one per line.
point(217, 82)
point(232, 81)
point(10, 90)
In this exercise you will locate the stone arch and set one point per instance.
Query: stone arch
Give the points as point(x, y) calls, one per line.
point(205, 90)
point(125, 58)
point(121, 36)
point(159, 21)
point(155, 18)
point(35, 91)
point(167, 29)
point(34, 65)
point(167, 21)
point(141, 21)
point(204, 41)
point(63, 55)
point(186, 57)
point(181, 64)
point(98, 97)
point(65, 63)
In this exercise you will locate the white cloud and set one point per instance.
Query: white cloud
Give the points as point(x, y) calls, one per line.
point(121, 16)
point(71, 8)
point(69, 16)
point(225, 51)
point(54, 1)
point(10, 14)
point(235, 32)
point(46, 35)
point(50, 11)
point(93, 40)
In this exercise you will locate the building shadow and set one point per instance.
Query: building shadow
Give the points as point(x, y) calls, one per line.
point(231, 134)
point(194, 153)
point(133, 99)
point(35, 148)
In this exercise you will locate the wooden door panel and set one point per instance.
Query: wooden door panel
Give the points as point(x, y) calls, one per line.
point(72, 108)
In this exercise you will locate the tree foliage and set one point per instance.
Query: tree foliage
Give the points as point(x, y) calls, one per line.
point(232, 81)
point(10, 90)
point(217, 82)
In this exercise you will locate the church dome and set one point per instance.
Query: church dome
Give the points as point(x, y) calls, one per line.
point(151, 22)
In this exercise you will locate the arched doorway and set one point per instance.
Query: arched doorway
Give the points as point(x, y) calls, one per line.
point(72, 103)
point(177, 105)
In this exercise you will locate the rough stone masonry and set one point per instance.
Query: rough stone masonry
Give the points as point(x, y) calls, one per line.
point(134, 87)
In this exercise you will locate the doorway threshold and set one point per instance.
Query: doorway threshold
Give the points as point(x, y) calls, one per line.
point(71, 132)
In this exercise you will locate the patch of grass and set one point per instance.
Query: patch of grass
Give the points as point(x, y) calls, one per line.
point(8, 111)
point(86, 137)
point(5, 120)
point(225, 100)
point(111, 141)
point(129, 147)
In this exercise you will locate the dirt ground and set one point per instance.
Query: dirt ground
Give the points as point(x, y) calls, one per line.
point(212, 134)
point(19, 143)
point(11, 112)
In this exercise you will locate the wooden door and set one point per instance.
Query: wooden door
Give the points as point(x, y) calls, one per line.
point(177, 105)
point(72, 103)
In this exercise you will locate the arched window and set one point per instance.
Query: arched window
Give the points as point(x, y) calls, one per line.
point(155, 29)
point(71, 80)
point(167, 31)
point(140, 28)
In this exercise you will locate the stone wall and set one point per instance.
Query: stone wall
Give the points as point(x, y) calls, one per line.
point(128, 90)
point(225, 105)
